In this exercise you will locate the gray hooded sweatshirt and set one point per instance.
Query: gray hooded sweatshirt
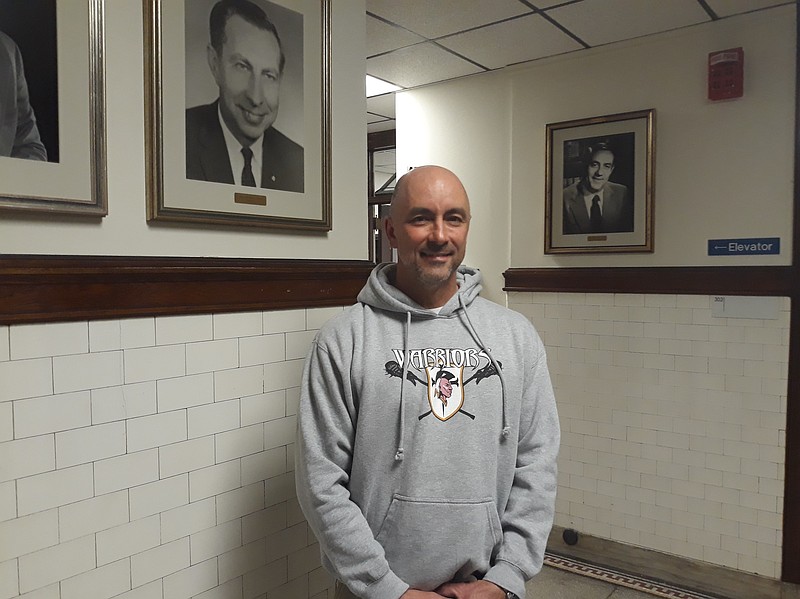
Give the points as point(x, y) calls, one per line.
point(427, 443)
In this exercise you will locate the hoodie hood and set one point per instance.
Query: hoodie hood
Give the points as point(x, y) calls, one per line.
point(380, 293)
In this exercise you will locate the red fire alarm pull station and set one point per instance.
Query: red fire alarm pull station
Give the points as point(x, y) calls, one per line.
point(726, 74)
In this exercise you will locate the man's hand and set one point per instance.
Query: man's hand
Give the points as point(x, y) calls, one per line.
point(415, 594)
point(481, 589)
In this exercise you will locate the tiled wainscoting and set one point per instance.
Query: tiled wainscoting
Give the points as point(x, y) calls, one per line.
point(152, 458)
point(673, 423)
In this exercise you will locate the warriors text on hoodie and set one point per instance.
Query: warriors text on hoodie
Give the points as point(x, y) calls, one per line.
point(427, 442)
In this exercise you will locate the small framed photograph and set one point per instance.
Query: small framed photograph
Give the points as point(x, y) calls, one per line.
point(238, 112)
point(52, 107)
point(599, 184)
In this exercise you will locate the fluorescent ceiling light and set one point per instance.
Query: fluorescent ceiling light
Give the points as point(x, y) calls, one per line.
point(376, 87)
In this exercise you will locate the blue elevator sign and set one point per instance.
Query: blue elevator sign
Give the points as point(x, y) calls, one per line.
point(744, 247)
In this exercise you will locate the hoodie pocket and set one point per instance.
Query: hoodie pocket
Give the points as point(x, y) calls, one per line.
point(432, 541)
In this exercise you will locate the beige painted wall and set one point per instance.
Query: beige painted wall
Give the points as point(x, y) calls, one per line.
point(723, 170)
point(463, 125)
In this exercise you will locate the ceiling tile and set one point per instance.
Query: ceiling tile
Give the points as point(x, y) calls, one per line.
point(599, 22)
point(523, 39)
point(726, 8)
point(490, 34)
point(435, 18)
point(418, 65)
point(382, 37)
point(382, 105)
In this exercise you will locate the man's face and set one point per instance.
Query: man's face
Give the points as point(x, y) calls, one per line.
point(247, 71)
point(429, 226)
point(445, 388)
point(601, 165)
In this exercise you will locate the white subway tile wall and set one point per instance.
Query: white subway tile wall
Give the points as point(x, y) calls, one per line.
point(673, 423)
point(152, 458)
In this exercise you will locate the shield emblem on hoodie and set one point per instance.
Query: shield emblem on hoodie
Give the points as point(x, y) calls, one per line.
point(445, 390)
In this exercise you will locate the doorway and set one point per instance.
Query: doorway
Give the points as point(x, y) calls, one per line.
point(381, 177)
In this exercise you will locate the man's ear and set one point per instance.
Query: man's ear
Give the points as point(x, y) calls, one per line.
point(388, 226)
point(213, 62)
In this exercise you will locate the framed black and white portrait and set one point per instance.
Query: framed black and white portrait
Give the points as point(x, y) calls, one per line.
point(599, 184)
point(52, 97)
point(239, 112)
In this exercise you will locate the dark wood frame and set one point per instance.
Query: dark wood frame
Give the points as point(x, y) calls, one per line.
point(790, 571)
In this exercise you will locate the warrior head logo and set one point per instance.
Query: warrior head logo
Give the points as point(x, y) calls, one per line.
point(445, 390)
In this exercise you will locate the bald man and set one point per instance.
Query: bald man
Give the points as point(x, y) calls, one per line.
point(418, 482)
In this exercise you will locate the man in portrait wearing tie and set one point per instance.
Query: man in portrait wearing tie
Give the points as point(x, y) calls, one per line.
point(594, 204)
point(232, 140)
point(19, 135)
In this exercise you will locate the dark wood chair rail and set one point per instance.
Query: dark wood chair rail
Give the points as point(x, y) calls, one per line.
point(57, 288)
point(692, 280)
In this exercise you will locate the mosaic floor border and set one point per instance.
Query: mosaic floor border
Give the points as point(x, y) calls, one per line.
point(644, 585)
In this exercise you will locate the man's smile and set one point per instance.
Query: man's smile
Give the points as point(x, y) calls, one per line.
point(436, 256)
point(254, 118)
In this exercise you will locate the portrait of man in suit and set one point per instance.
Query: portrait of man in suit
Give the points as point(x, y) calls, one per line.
point(19, 135)
point(233, 139)
point(29, 93)
point(595, 204)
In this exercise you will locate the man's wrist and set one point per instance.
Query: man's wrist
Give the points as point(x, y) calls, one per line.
point(509, 594)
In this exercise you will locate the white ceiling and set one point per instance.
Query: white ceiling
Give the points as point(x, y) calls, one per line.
point(416, 42)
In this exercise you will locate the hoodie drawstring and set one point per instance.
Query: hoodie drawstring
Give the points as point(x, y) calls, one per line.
point(398, 456)
point(506, 428)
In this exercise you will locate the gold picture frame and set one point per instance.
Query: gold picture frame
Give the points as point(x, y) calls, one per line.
point(178, 78)
point(72, 180)
point(599, 184)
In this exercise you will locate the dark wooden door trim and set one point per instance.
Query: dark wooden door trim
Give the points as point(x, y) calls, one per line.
point(57, 288)
point(790, 568)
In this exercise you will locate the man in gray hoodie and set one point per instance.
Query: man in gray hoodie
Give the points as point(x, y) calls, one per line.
point(427, 429)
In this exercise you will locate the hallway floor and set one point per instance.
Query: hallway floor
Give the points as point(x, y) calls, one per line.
point(560, 579)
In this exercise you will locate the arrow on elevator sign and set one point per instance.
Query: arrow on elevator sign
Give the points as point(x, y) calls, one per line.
point(744, 247)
